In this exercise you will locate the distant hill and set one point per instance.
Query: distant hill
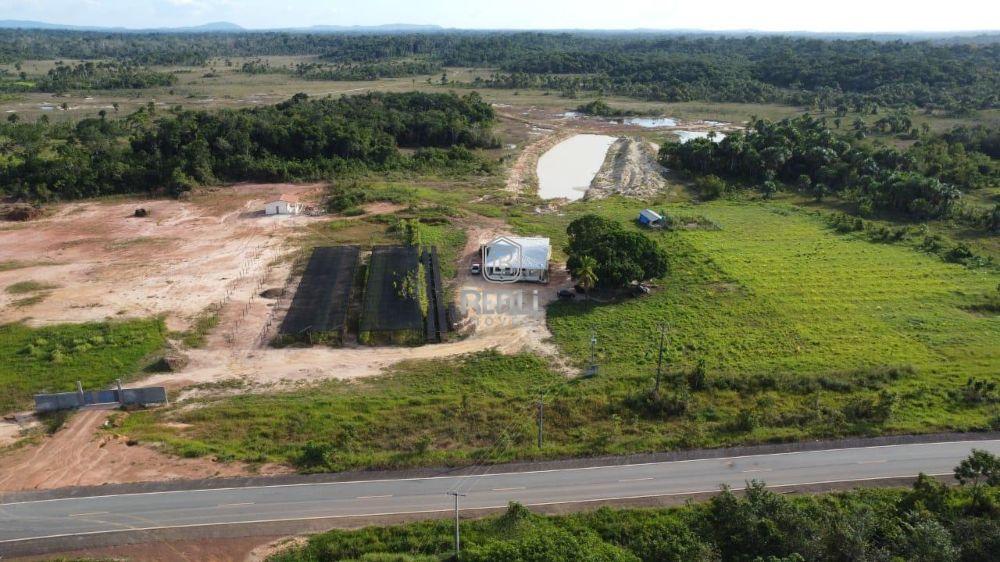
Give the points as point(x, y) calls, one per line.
point(984, 36)
point(227, 27)
point(394, 27)
point(29, 24)
point(217, 26)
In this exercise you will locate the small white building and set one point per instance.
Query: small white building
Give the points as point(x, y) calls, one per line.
point(284, 205)
point(649, 217)
point(508, 259)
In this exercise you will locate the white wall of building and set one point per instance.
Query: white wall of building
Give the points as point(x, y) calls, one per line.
point(281, 208)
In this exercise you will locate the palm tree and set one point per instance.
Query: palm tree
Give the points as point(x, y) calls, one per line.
point(585, 274)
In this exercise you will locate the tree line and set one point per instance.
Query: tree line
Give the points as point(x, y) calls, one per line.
point(298, 139)
point(956, 75)
point(924, 181)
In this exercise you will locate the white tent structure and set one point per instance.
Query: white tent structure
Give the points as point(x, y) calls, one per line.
point(284, 205)
point(508, 259)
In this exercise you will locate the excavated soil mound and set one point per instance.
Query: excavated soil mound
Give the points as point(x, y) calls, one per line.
point(630, 168)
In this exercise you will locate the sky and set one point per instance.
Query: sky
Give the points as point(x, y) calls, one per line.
point(763, 15)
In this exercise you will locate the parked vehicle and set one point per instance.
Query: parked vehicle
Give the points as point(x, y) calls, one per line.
point(566, 294)
point(476, 269)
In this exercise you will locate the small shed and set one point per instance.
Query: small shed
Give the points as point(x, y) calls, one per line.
point(284, 205)
point(649, 217)
point(514, 258)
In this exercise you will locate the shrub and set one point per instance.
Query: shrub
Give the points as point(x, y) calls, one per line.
point(710, 187)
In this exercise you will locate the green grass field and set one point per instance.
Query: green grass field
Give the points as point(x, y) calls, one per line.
point(800, 332)
point(53, 358)
point(420, 413)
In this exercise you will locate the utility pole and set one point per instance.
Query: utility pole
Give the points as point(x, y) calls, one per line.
point(659, 361)
point(458, 540)
point(541, 416)
point(592, 368)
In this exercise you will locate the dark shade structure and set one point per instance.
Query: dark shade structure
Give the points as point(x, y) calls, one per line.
point(318, 313)
point(395, 298)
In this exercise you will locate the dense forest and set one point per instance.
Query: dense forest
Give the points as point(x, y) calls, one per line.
point(298, 139)
point(928, 522)
point(846, 73)
point(347, 71)
point(102, 76)
point(923, 182)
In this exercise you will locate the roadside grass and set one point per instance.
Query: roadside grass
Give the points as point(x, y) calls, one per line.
point(426, 412)
point(783, 528)
point(53, 358)
point(778, 329)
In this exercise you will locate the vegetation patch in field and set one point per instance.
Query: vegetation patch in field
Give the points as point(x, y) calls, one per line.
point(31, 286)
point(203, 324)
point(53, 358)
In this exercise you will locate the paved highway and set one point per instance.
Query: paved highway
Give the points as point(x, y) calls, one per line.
point(254, 504)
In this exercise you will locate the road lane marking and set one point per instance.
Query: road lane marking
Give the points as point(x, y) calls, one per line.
point(88, 514)
point(507, 489)
point(234, 504)
point(981, 444)
point(635, 479)
point(373, 497)
point(758, 470)
point(449, 510)
point(874, 462)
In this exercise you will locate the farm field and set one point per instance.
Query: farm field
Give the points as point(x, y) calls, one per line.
point(779, 329)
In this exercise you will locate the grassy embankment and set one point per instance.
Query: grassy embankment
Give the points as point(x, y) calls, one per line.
point(779, 329)
point(53, 358)
point(927, 522)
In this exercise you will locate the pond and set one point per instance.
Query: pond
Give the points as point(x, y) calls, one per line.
point(650, 122)
point(684, 136)
point(567, 169)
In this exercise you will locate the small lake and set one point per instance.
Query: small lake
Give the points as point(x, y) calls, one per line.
point(567, 169)
point(650, 122)
point(684, 136)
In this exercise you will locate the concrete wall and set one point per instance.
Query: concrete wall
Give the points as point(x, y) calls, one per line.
point(71, 400)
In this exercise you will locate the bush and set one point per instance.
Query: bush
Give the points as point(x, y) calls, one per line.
point(710, 187)
point(312, 455)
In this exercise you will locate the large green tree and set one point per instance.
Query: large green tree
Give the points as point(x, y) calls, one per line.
point(620, 256)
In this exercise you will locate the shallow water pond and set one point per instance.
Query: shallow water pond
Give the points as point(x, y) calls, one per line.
point(567, 169)
point(685, 136)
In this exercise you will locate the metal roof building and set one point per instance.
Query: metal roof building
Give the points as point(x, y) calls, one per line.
point(507, 259)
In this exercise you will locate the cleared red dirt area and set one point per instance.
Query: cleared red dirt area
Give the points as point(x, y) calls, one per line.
point(80, 455)
point(97, 260)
